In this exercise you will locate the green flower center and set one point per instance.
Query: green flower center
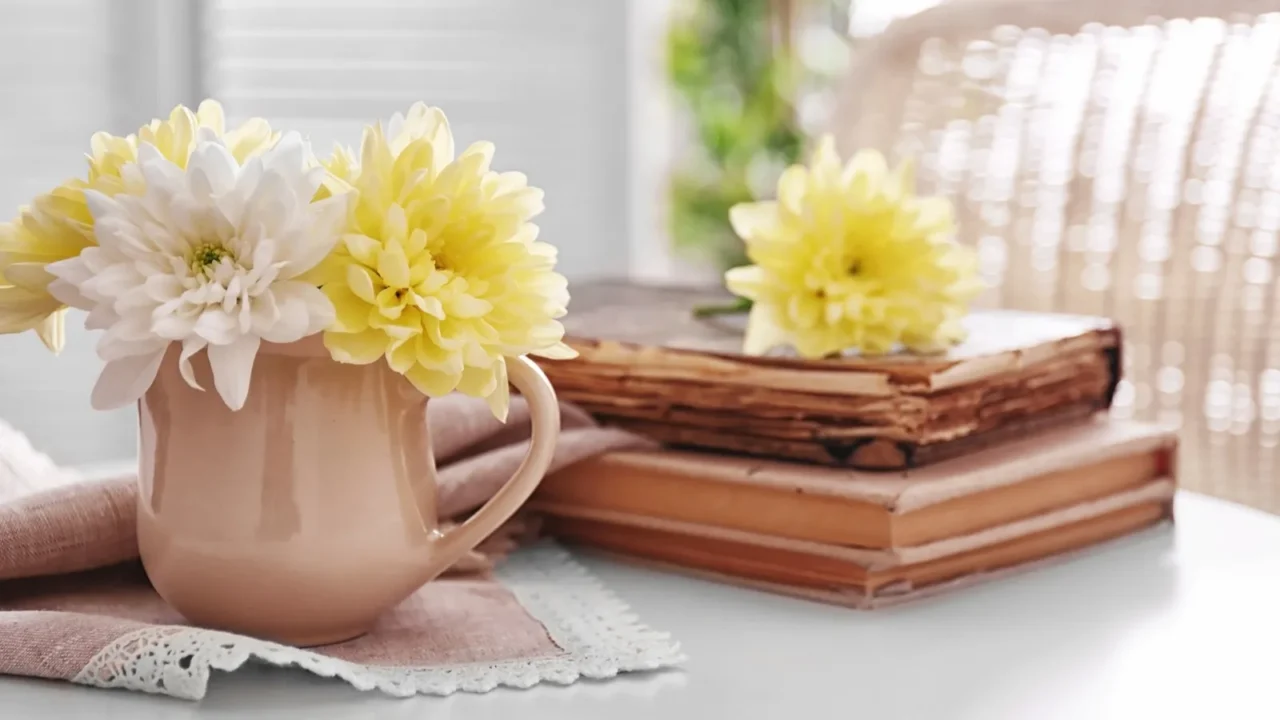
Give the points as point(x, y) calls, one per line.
point(206, 256)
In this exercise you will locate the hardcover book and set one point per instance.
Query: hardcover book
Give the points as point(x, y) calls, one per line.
point(1039, 474)
point(861, 538)
point(648, 365)
point(830, 574)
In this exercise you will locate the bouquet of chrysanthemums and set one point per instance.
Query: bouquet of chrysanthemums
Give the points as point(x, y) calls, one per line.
point(220, 239)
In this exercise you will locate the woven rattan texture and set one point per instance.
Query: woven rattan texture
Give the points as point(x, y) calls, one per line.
point(1113, 158)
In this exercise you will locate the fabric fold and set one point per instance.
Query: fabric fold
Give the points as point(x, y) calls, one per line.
point(75, 603)
point(52, 524)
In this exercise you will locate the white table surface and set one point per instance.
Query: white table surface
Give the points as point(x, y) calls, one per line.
point(1164, 625)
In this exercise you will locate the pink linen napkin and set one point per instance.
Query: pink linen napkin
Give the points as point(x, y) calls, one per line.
point(75, 604)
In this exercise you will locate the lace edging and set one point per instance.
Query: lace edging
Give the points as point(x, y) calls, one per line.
point(598, 633)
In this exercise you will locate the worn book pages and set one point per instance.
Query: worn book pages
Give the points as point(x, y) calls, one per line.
point(647, 365)
point(1038, 474)
point(867, 579)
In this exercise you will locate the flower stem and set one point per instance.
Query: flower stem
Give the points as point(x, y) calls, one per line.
point(739, 305)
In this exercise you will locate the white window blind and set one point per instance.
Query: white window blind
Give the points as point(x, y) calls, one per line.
point(544, 80)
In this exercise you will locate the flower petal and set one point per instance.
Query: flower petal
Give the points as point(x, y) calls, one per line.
point(287, 157)
point(351, 314)
point(52, 331)
point(23, 316)
point(468, 306)
point(559, 351)
point(67, 294)
point(432, 383)
point(792, 186)
point(359, 348)
point(28, 275)
point(393, 266)
point(211, 170)
point(124, 381)
point(112, 282)
point(264, 313)
point(322, 233)
point(209, 114)
point(250, 139)
point(100, 317)
point(745, 281)
point(190, 346)
point(232, 366)
point(762, 333)
point(216, 326)
point(100, 205)
point(304, 310)
point(173, 326)
point(478, 382)
point(402, 355)
point(362, 248)
point(901, 183)
point(499, 401)
point(825, 169)
point(361, 283)
point(163, 288)
point(130, 335)
point(430, 305)
point(753, 221)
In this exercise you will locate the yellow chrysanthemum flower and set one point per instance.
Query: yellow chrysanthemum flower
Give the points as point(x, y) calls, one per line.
point(57, 225)
point(42, 234)
point(848, 258)
point(441, 272)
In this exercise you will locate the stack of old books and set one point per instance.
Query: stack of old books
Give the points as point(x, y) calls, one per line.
point(861, 481)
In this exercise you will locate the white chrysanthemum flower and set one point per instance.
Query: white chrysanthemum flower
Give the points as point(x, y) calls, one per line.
point(208, 256)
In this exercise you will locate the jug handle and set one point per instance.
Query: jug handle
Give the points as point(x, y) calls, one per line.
point(544, 410)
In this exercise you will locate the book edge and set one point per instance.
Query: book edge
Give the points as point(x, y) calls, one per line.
point(1160, 489)
point(955, 477)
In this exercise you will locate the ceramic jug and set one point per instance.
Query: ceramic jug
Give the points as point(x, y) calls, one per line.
point(312, 510)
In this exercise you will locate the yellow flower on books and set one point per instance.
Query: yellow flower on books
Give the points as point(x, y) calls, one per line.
point(57, 226)
point(440, 271)
point(848, 258)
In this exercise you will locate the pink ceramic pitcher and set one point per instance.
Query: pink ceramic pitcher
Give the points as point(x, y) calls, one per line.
point(312, 510)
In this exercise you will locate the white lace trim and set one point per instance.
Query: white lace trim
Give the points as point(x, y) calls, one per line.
point(597, 631)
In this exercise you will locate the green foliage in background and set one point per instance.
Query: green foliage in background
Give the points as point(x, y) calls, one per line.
point(739, 86)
